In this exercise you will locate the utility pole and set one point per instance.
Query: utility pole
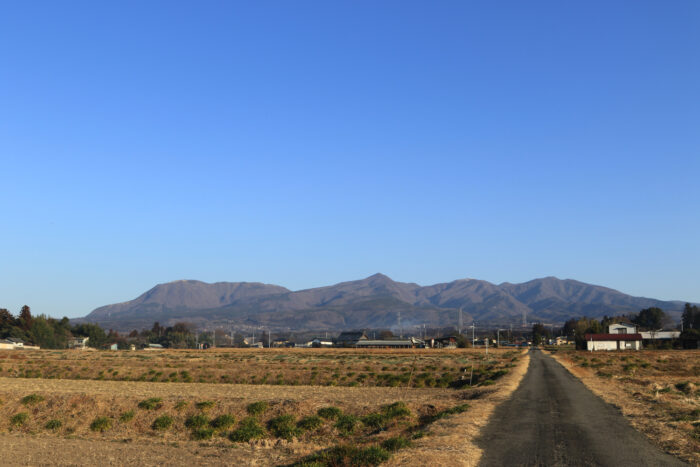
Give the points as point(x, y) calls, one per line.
point(473, 326)
point(459, 329)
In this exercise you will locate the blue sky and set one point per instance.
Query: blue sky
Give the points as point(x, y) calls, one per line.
point(307, 143)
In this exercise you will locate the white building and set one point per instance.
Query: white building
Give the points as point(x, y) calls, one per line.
point(622, 328)
point(619, 341)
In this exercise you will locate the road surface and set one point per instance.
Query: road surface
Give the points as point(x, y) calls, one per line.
point(552, 419)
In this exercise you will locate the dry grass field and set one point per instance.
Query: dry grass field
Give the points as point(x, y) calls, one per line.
point(320, 407)
point(658, 391)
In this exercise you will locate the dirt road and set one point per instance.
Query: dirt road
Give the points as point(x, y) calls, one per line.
point(552, 419)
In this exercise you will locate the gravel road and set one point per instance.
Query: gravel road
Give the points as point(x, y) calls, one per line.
point(552, 419)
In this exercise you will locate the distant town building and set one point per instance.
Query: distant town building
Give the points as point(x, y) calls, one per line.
point(79, 343)
point(350, 338)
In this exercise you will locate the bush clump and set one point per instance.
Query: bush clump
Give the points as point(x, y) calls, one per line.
point(19, 419)
point(222, 422)
point(163, 422)
point(53, 424)
point(152, 403)
point(396, 410)
point(204, 405)
point(257, 408)
point(126, 416)
point(247, 430)
point(284, 426)
point(180, 405)
point(347, 455)
point(310, 423)
point(32, 399)
point(203, 433)
point(345, 424)
point(101, 424)
point(375, 420)
point(396, 443)
point(329, 413)
point(197, 421)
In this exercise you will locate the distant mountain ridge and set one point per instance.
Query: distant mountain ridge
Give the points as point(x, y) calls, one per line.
point(373, 302)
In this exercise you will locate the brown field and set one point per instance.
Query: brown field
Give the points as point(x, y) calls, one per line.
point(657, 391)
point(65, 395)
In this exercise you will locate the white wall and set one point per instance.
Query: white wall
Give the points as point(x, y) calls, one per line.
point(612, 345)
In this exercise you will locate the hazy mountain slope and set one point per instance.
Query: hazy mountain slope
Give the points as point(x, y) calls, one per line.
point(189, 295)
point(371, 302)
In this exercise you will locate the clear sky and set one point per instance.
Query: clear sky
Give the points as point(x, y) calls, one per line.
point(306, 143)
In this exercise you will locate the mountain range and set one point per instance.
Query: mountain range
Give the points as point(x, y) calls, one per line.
point(373, 302)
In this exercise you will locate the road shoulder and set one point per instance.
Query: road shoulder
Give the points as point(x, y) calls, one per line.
point(452, 441)
point(636, 412)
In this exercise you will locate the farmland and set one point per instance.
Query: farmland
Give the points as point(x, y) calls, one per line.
point(657, 391)
point(246, 406)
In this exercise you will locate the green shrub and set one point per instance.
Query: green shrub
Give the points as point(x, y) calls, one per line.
point(53, 424)
point(248, 429)
point(181, 405)
point(153, 403)
point(203, 433)
point(310, 423)
point(284, 426)
point(197, 421)
point(101, 424)
point(19, 419)
point(329, 413)
point(396, 443)
point(32, 399)
point(204, 405)
point(345, 424)
point(396, 410)
point(375, 420)
point(347, 455)
point(223, 422)
point(126, 416)
point(163, 422)
point(257, 408)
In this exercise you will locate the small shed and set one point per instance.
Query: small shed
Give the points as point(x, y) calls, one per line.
point(613, 342)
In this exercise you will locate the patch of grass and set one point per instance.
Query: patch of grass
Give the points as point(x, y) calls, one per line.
point(375, 420)
point(126, 416)
point(53, 424)
point(257, 408)
point(181, 405)
point(203, 433)
point(247, 430)
point(101, 424)
point(284, 426)
point(223, 422)
point(329, 413)
point(684, 387)
point(310, 423)
point(345, 424)
point(197, 421)
point(32, 399)
point(396, 443)
point(396, 410)
point(204, 405)
point(19, 419)
point(164, 422)
point(152, 403)
point(345, 455)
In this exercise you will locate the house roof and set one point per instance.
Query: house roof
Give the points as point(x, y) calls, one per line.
point(347, 336)
point(614, 337)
